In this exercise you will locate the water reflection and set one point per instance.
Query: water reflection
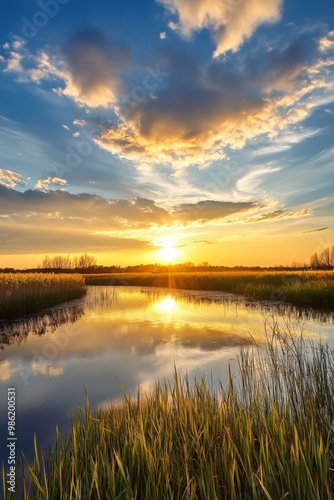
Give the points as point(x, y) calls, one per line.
point(167, 305)
point(130, 336)
point(229, 299)
point(16, 331)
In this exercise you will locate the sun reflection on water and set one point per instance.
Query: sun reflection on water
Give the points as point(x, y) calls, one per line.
point(167, 305)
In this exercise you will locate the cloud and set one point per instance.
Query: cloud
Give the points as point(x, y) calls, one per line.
point(186, 111)
point(8, 178)
point(163, 35)
point(62, 205)
point(200, 111)
point(251, 181)
point(35, 221)
point(92, 67)
point(231, 21)
point(279, 214)
point(316, 230)
point(88, 65)
point(79, 123)
point(44, 184)
point(205, 211)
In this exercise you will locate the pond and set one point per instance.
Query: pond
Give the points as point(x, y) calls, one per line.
point(118, 337)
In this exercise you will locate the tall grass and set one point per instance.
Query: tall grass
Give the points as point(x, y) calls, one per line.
point(305, 288)
point(267, 436)
point(23, 293)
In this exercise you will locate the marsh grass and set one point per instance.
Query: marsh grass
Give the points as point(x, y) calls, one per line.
point(267, 434)
point(26, 293)
point(304, 288)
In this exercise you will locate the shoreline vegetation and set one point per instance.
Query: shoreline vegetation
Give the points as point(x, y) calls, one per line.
point(266, 434)
point(303, 288)
point(29, 293)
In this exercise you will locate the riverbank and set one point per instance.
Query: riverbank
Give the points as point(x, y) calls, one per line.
point(304, 288)
point(269, 436)
point(23, 293)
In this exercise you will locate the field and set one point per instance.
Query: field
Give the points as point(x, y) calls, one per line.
point(24, 293)
point(268, 437)
point(304, 288)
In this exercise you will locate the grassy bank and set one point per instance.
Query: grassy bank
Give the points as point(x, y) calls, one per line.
point(269, 438)
point(29, 293)
point(305, 288)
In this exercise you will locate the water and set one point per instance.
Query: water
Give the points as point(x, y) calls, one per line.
point(120, 337)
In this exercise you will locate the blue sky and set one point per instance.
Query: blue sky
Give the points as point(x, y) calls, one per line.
point(205, 126)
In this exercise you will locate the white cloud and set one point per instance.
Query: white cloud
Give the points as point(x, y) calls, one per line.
point(79, 123)
point(163, 35)
point(251, 181)
point(8, 178)
point(46, 183)
point(66, 127)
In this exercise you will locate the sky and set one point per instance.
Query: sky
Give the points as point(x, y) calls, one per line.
point(166, 130)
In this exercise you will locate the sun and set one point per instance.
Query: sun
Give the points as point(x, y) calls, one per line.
point(168, 253)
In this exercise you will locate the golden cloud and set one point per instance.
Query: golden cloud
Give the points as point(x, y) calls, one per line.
point(231, 21)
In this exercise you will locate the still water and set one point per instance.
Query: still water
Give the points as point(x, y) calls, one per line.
point(124, 337)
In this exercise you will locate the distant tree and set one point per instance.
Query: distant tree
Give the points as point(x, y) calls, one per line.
point(324, 260)
point(47, 262)
point(314, 261)
point(85, 261)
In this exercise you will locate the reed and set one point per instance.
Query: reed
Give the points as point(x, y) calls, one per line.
point(267, 434)
point(25, 293)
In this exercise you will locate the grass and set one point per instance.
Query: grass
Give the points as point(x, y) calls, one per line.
point(304, 288)
point(23, 293)
point(267, 436)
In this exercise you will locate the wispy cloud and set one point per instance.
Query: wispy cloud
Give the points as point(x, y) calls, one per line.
point(8, 178)
point(251, 181)
point(316, 230)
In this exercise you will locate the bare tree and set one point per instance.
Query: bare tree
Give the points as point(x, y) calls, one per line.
point(314, 261)
point(66, 262)
point(324, 260)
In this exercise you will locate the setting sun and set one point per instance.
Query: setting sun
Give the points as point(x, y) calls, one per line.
point(168, 253)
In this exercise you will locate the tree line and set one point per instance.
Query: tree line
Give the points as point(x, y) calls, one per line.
point(84, 261)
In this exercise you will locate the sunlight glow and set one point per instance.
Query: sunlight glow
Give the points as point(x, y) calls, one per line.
point(167, 305)
point(168, 253)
